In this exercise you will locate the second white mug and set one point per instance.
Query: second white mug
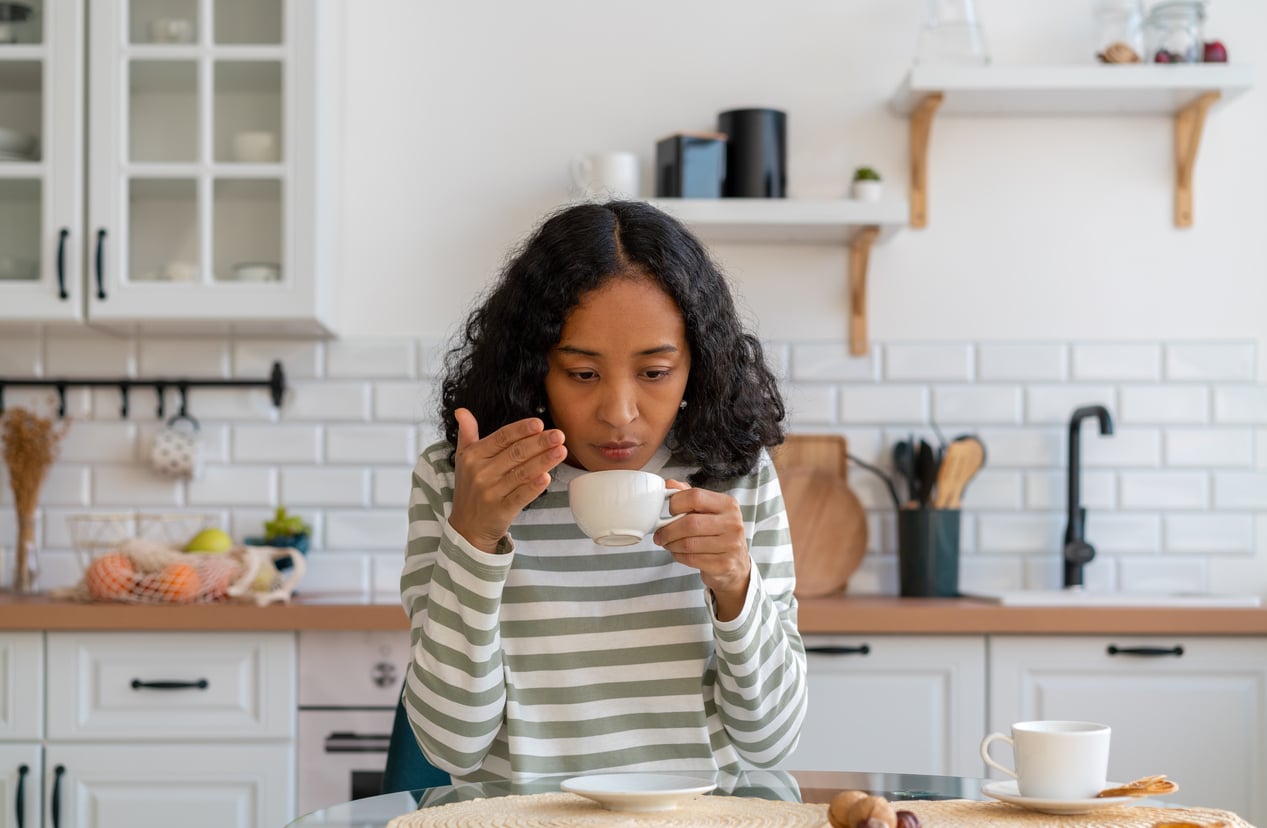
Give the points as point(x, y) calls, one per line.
point(607, 175)
point(1055, 759)
point(619, 507)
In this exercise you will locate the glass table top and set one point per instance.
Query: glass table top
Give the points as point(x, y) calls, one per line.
point(793, 786)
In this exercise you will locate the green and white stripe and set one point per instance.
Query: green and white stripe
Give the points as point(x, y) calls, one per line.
point(566, 657)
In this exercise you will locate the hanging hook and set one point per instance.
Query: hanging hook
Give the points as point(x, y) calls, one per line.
point(61, 400)
point(277, 384)
point(123, 401)
point(184, 399)
point(1, 397)
point(160, 388)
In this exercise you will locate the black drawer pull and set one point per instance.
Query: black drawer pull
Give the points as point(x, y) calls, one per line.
point(864, 649)
point(1176, 651)
point(200, 684)
point(20, 794)
point(55, 807)
point(61, 264)
point(101, 264)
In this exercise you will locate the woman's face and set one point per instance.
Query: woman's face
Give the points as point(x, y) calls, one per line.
point(618, 374)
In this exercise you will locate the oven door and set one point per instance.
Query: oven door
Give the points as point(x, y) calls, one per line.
point(342, 754)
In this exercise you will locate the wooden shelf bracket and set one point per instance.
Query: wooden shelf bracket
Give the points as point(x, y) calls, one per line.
point(1189, 122)
point(921, 127)
point(859, 254)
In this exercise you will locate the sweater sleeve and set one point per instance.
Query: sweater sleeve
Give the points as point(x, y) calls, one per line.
point(455, 692)
point(760, 691)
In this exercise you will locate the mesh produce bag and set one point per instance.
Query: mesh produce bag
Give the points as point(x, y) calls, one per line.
point(143, 571)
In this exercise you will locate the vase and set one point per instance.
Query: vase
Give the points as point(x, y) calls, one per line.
point(25, 556)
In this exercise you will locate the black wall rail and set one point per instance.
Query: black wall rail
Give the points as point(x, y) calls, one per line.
point(276, 384)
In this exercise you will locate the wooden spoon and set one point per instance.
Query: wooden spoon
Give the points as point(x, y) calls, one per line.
point(964, 458)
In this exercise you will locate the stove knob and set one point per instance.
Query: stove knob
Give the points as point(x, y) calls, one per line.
point(384, 674)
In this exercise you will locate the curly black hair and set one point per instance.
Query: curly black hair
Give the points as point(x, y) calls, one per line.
point(498, 368)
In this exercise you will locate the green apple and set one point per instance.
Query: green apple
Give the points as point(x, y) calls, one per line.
point(210, 540)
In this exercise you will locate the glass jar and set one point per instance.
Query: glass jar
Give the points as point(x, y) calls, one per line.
point(951, 33)
point(1119, 30)
point(1174, 31)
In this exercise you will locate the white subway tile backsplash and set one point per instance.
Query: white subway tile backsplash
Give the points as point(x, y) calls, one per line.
point(324, 486)
point(1124, 448)
point(370, 444)
point(1240, 405)
point(883, 404)
point(234, 486)
point(183, 357)
point(276, 443)
point(814, 362)
point(1164, 490)
point(1149, 405)
point(390, 486)
point(133, 487)
point(371, 358)
point(408, 401)
point(905, 363)
point(1017, 362)
point(1163, 575)
point(1260, 448)
point(366, 530)
point(1209, 534)
point(99, 442)
point(1054, 404)
point(809, 404)
point(1240, 490)
point(385, 577)
point(431, 354)
point(328, 402)
point(89, 355)
point(21, 353)
point(976, 405)
point(1022, 448)
point(1116, 362)
point(994, 490)
point(1123, 532)
point(1210, 362)
point(66, 484)
point(1049, 490)
point(1209, 447)
point(255, 357)
point(328, 571)
point(1020, 534)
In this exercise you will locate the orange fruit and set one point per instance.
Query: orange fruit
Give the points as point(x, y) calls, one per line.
point(110, 577)
point(177, 583)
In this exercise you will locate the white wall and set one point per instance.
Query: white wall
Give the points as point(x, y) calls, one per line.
point(461, 120)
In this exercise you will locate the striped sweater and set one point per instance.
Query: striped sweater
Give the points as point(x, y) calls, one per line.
point(563, 657)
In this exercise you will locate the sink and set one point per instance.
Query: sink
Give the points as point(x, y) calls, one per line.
point(1091, 598)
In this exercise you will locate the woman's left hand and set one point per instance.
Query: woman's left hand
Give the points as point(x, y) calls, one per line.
point(711, 539)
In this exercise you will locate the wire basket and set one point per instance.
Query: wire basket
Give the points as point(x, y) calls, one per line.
point(92, 534)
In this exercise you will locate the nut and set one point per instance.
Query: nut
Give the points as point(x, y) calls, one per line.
point(907, 819)
point(872, 807)
point(838, 811)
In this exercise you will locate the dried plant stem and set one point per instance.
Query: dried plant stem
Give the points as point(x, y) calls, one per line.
point(30, 447)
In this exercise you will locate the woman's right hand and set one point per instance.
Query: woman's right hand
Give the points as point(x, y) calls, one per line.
point(496, 477)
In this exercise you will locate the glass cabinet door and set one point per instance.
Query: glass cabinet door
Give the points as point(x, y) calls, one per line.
point(40, 131)
point(188, 189)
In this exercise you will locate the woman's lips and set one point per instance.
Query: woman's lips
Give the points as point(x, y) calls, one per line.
point(618, 452)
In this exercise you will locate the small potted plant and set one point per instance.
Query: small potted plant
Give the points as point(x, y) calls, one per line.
point(866, 185)
point(285, 529)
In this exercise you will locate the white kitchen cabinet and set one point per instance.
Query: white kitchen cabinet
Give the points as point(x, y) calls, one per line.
point(913, 704)
point(1193, 708)
point(156, 729)
point(20, 784)
point(191, 223)
point(21, 727)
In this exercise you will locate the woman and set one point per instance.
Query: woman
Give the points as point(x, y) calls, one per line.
point(611, 341)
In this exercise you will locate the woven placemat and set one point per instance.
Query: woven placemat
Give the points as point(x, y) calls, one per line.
point(961, 813)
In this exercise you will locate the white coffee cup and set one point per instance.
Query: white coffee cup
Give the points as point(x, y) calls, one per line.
point(176, 451)
point(619, 507)
point(1055, 759)
point(255, 147)
point(607, 175)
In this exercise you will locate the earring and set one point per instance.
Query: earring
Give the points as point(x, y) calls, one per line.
point(541, 409)
point(682, 405)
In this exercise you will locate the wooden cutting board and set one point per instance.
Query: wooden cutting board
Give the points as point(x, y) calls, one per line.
point(828, 523)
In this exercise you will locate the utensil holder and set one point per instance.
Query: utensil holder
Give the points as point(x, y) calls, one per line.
point(928, 553)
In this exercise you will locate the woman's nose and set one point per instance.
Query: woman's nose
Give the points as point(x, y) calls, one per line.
point(619, 405)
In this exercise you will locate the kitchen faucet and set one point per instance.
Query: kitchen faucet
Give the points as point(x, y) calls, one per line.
point(1078, 553)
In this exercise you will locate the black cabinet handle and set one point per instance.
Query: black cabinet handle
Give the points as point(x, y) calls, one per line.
point(61, 264)
point(20, 794)
point(200, 684)
point(864, 649)
point(55, 807)
point(101, 263)
point(1176, 651)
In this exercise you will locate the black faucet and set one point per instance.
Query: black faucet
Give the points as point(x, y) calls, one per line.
point(1078, 553)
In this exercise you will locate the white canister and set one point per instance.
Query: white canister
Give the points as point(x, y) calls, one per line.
point(607, 175)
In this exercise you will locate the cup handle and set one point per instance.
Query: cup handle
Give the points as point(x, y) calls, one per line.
point(581, 171)
point(985, 752)
point(663, 522)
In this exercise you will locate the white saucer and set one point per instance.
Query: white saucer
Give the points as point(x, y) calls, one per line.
point(1008, 792)
point(637, 791)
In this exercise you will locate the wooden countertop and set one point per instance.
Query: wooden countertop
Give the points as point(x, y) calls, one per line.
point(845, 616)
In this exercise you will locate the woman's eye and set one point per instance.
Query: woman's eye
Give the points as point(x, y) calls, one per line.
point(584, 376)
point(656, 373)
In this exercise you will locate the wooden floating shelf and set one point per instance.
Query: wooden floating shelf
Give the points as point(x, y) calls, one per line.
point(1183, 92)
point(856, 224)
